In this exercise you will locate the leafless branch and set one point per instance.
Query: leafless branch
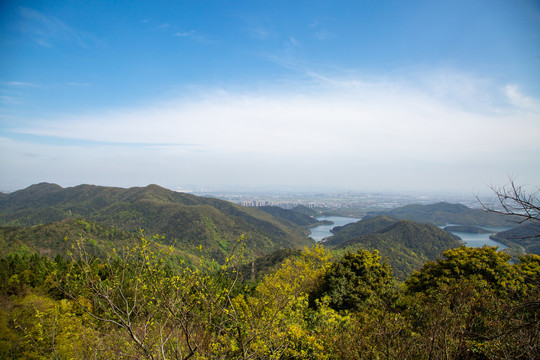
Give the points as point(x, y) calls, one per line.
point(515, 201)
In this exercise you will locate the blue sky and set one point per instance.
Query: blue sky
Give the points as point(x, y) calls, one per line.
point(351, 95)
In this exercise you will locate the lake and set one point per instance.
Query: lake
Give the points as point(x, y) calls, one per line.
point(473, 240)
point(479, 240)
point(322, 231)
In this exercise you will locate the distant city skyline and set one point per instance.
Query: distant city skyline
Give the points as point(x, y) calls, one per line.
point(356, 95)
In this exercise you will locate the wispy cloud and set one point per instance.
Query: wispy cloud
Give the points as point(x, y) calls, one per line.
point(47, 30)
point(259, 32)
point(13, 92)
point(195, 36)
point(185, 33)
point(174, 30)
point(323, 35)
point(20, 84)
point(78, 84)
point(293, 41)
point(7, 99)
point(518, 99)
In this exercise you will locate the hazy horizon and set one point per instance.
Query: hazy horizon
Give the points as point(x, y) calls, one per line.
point(280, 192)
point(417, 96)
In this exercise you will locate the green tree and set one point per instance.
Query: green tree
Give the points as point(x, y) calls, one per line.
point(485, 265)
point(270, 322)
point(355, 279)
point(474, 304)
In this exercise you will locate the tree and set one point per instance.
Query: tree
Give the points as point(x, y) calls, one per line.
point(485, 306)
point(355, 279)
point(270, 323)
point(484, 265)
point(514, 200)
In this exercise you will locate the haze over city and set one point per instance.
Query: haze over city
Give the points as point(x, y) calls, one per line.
point(352, 95)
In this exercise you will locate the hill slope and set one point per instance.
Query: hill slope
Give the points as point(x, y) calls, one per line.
point(362, 227)
point(443, 213)
point(293, 216)
point(56, 238)
point(185, 220)
point(524, 237)
point(406, 244)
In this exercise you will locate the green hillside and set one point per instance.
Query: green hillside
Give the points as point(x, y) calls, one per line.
point(406, 244)
point(443, 213)
point(362, 227)
point(56, 238)
point(185, 220)
point(294, 216)
point(307, 211)
point(523, 239)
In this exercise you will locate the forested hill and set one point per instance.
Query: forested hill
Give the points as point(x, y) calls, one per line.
point(362, 227)
point(406, 244)
point(185, 220)
point(57, 238)
point(525, 237)
point(443, 213)
point(293, 216)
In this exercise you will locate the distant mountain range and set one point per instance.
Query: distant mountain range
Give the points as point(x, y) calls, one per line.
point(406, 244)
point(443, 213)
point(186, 221)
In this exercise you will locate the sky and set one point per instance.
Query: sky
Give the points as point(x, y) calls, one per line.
point(304, 95)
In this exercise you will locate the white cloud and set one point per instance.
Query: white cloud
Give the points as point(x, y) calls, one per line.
point(20, 84)
point(338, 114)
point(516, 98)
point(192, 34)
point(360, 130)
point(184, 34)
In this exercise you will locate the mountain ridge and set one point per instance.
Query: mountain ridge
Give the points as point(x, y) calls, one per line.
point(184, 219)
point(443, 213)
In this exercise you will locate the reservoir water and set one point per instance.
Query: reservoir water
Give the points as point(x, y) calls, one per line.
point(479, 240)
point(473, 240)
point(322, 231)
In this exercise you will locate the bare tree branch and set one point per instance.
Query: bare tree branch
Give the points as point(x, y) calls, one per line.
point(515, 201)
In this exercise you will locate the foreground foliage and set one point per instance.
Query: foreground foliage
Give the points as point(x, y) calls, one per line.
point(135, 303)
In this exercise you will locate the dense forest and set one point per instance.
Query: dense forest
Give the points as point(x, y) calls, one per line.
point(136, 303)
point(76, 284)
